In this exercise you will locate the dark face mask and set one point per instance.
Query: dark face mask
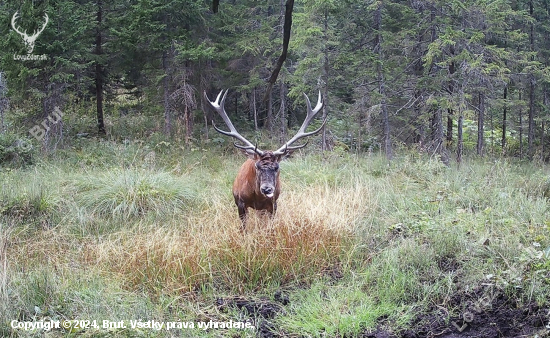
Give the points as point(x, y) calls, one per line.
point(267, 172)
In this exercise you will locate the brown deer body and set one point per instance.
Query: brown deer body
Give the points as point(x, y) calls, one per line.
point(257, 184)
point(252, 190)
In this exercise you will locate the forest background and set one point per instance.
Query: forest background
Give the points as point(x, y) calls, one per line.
point(446, 77)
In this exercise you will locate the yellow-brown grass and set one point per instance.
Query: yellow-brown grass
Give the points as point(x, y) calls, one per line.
point(208, 248)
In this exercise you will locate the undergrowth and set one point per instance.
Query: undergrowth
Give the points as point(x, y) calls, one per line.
point(357, 242)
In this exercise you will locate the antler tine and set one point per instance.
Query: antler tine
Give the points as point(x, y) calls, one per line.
point(249, 149)
point(302, 131)
point(292, 148)
point(15, 16)
point(218, 105)
point(318, 107)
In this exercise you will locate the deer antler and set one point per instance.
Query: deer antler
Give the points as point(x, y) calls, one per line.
point(287, 147)
point(219, 107)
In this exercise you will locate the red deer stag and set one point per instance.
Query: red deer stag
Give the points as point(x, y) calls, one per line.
point(257, 184)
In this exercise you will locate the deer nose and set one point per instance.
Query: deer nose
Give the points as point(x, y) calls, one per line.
point(267, 190)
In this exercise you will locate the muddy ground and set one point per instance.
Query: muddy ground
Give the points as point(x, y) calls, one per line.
point(482, 313)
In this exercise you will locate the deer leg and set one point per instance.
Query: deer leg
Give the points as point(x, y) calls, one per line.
point(271, 209)
point(274, 209)
point(242, 212)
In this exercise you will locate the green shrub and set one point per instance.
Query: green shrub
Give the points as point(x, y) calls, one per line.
point(129, 193)
point(15, 150)
point(29, 199)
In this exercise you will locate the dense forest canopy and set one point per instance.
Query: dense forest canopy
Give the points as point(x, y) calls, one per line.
point(446, 77)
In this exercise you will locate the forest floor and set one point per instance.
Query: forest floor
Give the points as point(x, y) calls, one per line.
point(360, 247)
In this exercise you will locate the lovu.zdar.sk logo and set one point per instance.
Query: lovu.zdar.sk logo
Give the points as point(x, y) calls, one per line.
point(28, 39)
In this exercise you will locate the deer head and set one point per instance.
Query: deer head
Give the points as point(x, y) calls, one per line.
point(29, 40)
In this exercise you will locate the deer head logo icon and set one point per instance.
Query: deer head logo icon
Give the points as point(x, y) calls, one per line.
point(29, 40)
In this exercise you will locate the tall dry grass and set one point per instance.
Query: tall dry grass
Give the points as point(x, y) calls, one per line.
point(309, 234)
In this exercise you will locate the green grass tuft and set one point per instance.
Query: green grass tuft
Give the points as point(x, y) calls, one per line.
point(334, 311)
point(131, 193)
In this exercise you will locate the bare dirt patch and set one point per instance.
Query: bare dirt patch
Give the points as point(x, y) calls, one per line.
point(262, 311)
point(480, 313)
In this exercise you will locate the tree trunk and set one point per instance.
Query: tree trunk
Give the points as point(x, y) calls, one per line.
point(420, 132)
point(325, 75)
point(188, 121)
point(460, 140)
point(205, 117)
point(531, 125)
point(543, 126)
point(449, 136)
point(381, 83)
point(283, 122)
point(450, 112)
point(215, 6)
point(437, 145)
point(520, 129)
point(3, 101)
point(480, 124)
point(492, 129)
point(542, 141)
point(254, 109)
point(269, 119)
point(166, 96)
point(282, 91)
point(289, 6)
point(99, 69)
point(386, 122)
point(504, 121)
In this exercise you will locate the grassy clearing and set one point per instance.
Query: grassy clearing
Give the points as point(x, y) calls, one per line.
point(357, 242)
point(208, 249)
